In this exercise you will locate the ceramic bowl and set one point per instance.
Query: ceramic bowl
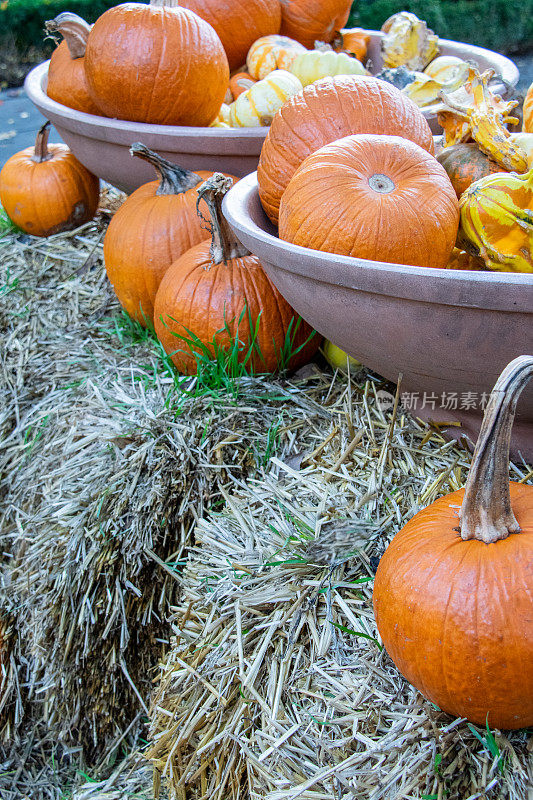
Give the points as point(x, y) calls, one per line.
point(449, 333)
point(102, 144)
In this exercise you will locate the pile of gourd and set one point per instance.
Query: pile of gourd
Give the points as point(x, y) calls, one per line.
point(205, 63)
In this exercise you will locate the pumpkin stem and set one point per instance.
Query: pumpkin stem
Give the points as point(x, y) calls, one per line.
point(486, 512)
point(73, 29)
point(165, 3)
point(224, 243)
point(172, 178)
point(41, 151)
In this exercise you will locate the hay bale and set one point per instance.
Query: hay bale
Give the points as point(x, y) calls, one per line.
point(276, 685)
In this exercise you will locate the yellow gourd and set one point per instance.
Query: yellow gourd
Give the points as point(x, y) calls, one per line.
point(337, 358)
point(315, 64)
point(497, 220)
point(222, 118)
point(408, 42)
point(257, 106)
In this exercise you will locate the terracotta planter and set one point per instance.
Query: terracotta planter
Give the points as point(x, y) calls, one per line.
point(449, 333)
point(102, 144)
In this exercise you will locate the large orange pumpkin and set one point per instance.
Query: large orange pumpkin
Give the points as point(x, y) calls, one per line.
point(152, 228)
point(156, 63)
point(464, 164)
point(309, 21)
point(218, 291)
point(452, 593)
point(527, 111)
point(382, 198)
point(238, 23)
point(326, 111)
point(44, 189)
point(67, 82)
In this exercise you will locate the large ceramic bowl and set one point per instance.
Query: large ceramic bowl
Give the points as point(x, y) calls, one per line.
point(449, 333)
point(102, 144)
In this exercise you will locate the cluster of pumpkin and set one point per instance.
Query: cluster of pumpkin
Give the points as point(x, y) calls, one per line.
point(348, 167)
point(168, 62)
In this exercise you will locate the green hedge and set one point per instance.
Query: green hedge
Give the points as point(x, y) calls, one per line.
point(23, 20)
point(501, 25)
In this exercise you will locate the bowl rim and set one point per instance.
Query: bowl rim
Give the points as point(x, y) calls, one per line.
point(76, 120)
point(496, 290)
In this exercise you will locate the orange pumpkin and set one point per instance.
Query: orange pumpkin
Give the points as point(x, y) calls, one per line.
point(152, 228)
point(527, 110)
point(239, 83)
point(238, 22)
point(464, 164)
point(383, 198)
point(309, 21)
point(352, 40)
point(157, 63)
point(328, 110)
point(67, 83)
point(452, 593)
point(218, 291)
point(44, 189)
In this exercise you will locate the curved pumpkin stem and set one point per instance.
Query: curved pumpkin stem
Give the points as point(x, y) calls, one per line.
point(486, 512)
point(73, 29)
point(165, 3)
point(224, 243)
point(172, 178)
point(41, 151)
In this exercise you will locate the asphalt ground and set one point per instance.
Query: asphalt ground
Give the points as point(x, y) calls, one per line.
point(20, 120)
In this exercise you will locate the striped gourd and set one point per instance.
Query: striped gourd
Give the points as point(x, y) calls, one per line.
point(272, 52)
point(257, 106)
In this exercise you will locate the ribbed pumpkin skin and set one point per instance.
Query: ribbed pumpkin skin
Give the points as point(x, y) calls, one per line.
point(67, 82)
point(330, 203)
point(328, 110)
point(201, 297)
point(527, 125)
point(309, 21)
point(48, 197)
point(156, 64)
point(144, 237)
point(238, 23)
point(456, 616)
point(464, 164)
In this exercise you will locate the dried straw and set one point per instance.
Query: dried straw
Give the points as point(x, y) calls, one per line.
point(276, 686)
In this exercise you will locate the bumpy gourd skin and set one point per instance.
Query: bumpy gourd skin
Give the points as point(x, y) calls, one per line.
point(497, 221)
point(476, 656)
point(149, 63)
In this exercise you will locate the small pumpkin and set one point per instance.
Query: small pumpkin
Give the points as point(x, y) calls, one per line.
point(452, 592)
point(497, 222)
point(45, 190)
point(152, 228)
point(239, 83)
point(67, 83)
point(328, 110)
point(218, 291)
point(352, 40)
point(315, 64)
point(271, 52)
point(381, 198)
point(464, 164)
point(238, 23)
point(157, 63)
point(309, 21)
point(408, 42)
point(527, 111)
point(257, 106)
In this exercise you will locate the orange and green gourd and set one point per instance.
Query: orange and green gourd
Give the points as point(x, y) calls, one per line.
point(497, 221)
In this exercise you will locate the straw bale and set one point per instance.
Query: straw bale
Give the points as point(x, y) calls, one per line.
point(276, 686)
